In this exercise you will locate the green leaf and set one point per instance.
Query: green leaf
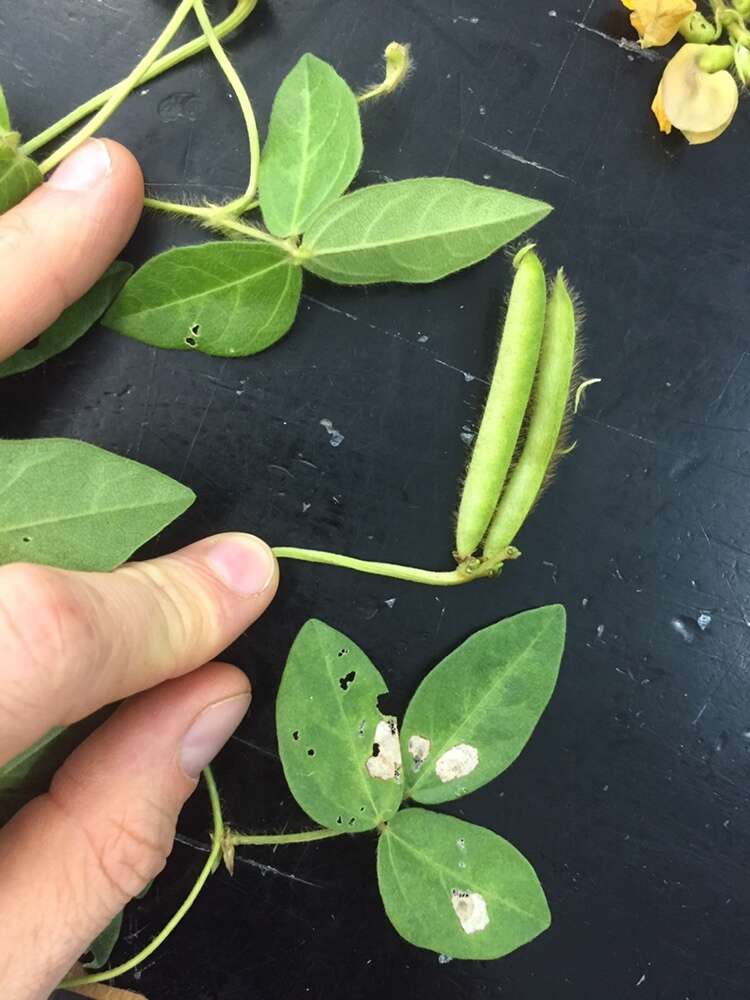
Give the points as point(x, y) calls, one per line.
point(69, 504)
point(226, 299)
point(329, 729)
point(4, 113)
point(18, 175)
point(72, 324)
point(313, 149)
point(415, 230)
point(30, 772)
point(456, 888)
point(474, 713)
point(102, 946)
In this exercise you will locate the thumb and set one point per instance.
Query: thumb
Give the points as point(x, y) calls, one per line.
point(72, 859)
point(73, 642)
point(57, 242)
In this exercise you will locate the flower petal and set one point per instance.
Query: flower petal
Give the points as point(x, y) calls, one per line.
point(695, 101)
point(657, 107)
point(657, 21)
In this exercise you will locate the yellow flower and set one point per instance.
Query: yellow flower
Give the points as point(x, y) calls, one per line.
point(696, 93)
point(657, 21)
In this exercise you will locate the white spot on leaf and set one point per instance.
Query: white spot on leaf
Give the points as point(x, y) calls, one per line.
point(385, 762)
point(457, 762)
point(471, 910)
point(419, 748)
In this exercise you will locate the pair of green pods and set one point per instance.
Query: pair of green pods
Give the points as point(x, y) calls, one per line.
point(525, 414)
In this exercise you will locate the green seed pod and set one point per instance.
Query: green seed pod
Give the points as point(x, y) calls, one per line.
point(507, 401)
point(547, 415)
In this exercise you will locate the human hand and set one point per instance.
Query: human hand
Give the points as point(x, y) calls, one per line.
point(73, 642)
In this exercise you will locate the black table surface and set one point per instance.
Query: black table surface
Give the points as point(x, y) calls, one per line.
point(631, 800)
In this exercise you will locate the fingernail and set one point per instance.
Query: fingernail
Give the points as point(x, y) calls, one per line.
point(84, 168)
point(210, 731)
point(244, 563)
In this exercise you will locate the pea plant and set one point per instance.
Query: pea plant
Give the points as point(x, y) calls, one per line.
point(446, 885)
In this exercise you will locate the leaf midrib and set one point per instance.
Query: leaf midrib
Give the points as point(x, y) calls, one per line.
point(349, 739)
point(491, 690)
point(6, 529)
point(211, 291)
point(411, 239)
point(444, 870)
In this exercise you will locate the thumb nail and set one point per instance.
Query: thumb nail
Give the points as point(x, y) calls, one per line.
point(243, 563)
point(210, 731)
point(84, 168)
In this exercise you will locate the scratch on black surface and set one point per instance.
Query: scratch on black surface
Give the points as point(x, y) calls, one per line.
point(395, 335)
point(581, 27)
point(720, 398)
point(622, 43)
point(201, 424)
point(264, 751)
point(520, 159)
point(196, 845)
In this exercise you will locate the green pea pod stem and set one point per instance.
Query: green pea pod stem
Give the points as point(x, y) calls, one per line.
point(547, 415)
point(507, 401)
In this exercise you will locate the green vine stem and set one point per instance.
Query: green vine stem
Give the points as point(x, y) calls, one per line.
point(122, 90)
point(209, 867)
point(470, 569)
point(214, 215)
point(241, 12)
point(235, 839)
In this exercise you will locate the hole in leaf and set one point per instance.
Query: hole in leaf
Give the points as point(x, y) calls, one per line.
point(32, 344)
point(352, 821)
point(295, 735)
point(347, 680)
point(362, 727)
point(361, 809)
point(339, 821)
point(343, 652)
point(311, 752)
point(26, 539)
point(195, 329)
point(191, 341)
point(376, 749)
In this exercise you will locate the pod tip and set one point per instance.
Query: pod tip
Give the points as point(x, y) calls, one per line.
point(522, 253)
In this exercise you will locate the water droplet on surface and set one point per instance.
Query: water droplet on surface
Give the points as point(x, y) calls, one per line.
point(686, 628)
point(444, 959)
point(704, 620)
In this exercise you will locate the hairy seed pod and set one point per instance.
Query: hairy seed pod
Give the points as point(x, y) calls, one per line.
point(547, 415)
point(507, 401)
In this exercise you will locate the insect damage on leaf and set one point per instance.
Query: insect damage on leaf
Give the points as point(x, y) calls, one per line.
point(419, 748)
point(385, 762)
point(471, 910)
point(456, 762)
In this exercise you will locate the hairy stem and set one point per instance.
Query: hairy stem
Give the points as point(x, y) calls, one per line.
point(239, 205)
point(465, 573)
point(209, 867)
point(265, 840)
point(122, 90)
point(241, 12)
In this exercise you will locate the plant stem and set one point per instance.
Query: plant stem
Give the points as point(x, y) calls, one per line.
point(121, 91)
point(239, 205)
point(265, 840)
point(241, 12)
point(462, 574)
point(209, 867)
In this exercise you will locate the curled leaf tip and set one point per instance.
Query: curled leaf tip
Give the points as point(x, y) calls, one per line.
point(529, 248)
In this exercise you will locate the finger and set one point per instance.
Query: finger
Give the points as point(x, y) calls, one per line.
point(72, 859)
point(57, 242)
point(72, 642)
